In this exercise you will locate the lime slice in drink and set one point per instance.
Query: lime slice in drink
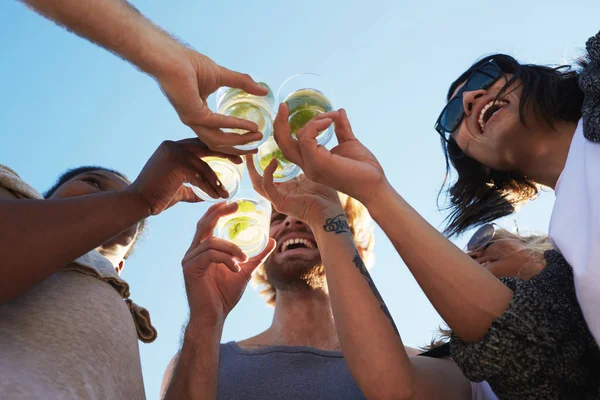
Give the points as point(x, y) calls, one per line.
point(246, 206)
point(266, 160)
point(300, 118)
point(238, 225)
point(250, 113)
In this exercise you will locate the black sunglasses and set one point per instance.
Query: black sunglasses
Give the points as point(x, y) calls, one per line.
point(453, 113)
point(482, 238)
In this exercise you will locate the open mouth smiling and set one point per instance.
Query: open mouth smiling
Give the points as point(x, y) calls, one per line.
point(488, 111)
point(297, 243)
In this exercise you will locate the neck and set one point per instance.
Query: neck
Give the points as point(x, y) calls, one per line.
point(301, 318)
point(115, 257)
point(550, 155)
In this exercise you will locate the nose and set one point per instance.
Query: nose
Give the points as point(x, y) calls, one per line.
point(469, 99)
point(291, 221)
point(475, 255)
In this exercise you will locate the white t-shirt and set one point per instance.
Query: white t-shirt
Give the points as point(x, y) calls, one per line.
point(574, 226)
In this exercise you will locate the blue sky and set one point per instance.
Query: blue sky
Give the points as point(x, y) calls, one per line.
point(65, 102)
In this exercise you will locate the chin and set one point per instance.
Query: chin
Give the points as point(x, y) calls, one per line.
point(294, 270)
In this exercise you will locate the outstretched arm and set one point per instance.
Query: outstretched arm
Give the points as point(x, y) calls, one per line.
point(38, 237)
point(117, 26)
point(185, 76)
point(467, 296)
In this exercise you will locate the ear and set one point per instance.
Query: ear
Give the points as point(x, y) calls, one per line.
point(120, 267)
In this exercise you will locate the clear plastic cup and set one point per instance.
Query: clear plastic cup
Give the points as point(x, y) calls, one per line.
point(249, 227)
point(258, 109)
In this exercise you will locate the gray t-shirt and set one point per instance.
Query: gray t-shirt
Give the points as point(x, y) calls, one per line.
point(74, 335)
point(284, 372)
point(70, 337)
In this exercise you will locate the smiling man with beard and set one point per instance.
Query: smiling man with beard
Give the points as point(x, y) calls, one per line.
point(299, 355)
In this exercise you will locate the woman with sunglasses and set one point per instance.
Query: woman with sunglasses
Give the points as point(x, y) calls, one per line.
point(527, 339)
point(509, 128)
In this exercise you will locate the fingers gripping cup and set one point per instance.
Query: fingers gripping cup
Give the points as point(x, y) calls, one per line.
point(286, 170)
point(258, 109)
point(249, 227)
point(307, 95)
point(229, 174)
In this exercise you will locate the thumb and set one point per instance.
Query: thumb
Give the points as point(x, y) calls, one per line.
point(249, 266)
point(241, 81)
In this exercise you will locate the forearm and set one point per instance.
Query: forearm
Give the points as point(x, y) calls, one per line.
point(381, 367)
point(197, 368)
point(466, 295)
point(38, 237)
point(116, 26)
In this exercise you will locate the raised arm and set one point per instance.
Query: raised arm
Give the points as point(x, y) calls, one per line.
point(38, 237)
point(216, 273)
point(466, 295)
point(186, 77)
point(368, 335)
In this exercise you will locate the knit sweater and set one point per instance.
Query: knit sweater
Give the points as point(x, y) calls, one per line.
point(589, 82)
point(540, 348)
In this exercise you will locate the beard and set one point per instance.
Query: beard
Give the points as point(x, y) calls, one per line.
point(296, 273)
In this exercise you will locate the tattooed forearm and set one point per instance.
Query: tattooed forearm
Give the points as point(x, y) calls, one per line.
point(337, 224)
point(357, 260)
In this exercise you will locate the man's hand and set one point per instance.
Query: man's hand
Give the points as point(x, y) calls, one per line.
point(349, 167)
point(161, 182)
point(186, 76)
point(188, 86)
point(216, 271)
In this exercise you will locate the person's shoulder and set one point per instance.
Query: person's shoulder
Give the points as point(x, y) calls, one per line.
point(589, 81)
point(13, 187)
point(593, 47)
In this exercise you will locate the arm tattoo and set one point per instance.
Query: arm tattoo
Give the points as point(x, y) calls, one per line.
point(358, 262)
point(337, 224)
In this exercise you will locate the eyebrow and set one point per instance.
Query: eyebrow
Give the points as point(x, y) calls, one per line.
point(95, 174)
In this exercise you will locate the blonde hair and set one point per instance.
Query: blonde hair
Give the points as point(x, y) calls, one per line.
point(361, 227)
point(535, 246)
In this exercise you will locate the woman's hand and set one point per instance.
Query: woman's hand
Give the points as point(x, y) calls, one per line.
point(349, 167)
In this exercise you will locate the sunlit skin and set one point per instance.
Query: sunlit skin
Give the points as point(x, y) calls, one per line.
point(505, 143)
point(286, 266)
point(509, 258)
point(95, 182)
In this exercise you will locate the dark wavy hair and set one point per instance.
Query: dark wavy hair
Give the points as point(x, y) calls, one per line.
point(478, 195)
point(73, 172)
